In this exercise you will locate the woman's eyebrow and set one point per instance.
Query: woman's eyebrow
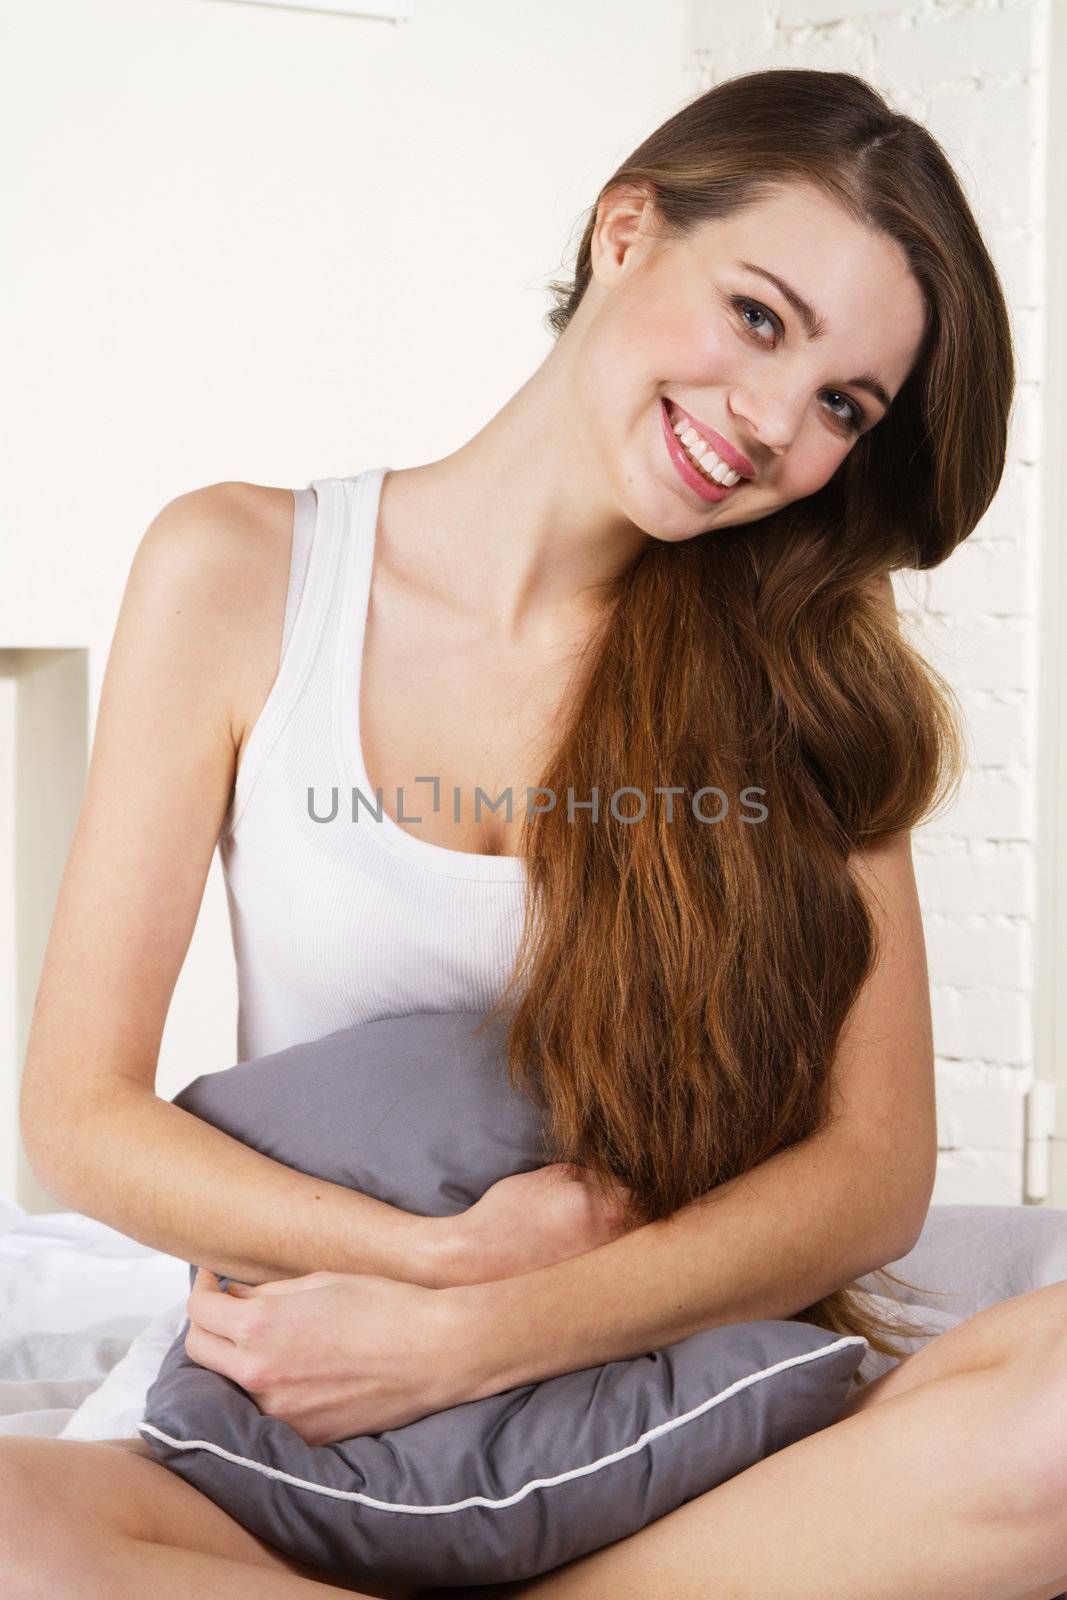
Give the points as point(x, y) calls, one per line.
point(815, 327)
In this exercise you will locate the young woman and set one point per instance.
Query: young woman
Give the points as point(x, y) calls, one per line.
point(731, 1021)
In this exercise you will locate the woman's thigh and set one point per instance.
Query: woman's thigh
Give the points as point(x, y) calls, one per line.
point(51, 1489)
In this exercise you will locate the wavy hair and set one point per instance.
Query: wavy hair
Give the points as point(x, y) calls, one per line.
point(679, 989)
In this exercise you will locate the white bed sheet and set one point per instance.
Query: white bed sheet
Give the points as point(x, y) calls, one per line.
point(86, 1317)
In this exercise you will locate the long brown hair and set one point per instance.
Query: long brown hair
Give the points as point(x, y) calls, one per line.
point(680, 987)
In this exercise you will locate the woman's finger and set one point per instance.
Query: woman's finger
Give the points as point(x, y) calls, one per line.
point(212, 1309)
point(213, 1351)
point(244, 1291)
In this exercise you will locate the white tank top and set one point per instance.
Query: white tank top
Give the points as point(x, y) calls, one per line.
point(340, 921)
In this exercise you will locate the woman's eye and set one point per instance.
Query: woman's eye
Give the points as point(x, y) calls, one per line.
point(853, 416)
point(762, 315)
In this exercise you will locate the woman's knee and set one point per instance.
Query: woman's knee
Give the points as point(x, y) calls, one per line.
point(52, 1490)
point(1029, 1326)
point(46, 1548)
point(1034, 1443)
point(1019, 1345)
point(1029, 1331)
point(62, 1493)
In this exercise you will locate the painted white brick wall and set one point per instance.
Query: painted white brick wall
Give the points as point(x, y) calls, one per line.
point(972, 71)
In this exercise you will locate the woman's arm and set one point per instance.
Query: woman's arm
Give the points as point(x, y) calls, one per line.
point(171, 1180)
point(196, 640)
point(803, 1223)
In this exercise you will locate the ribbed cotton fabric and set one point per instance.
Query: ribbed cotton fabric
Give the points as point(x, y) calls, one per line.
point(340, 921)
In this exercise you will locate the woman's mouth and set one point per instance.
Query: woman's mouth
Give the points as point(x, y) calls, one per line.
point(695, 461)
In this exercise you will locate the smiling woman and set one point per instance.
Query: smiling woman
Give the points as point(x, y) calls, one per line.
point(725, 1027)
point(801, 375)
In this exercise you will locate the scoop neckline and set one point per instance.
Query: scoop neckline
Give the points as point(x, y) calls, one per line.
point(360, 507)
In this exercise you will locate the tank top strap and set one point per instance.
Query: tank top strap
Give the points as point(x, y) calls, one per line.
point(304, 512)
point(316, 568)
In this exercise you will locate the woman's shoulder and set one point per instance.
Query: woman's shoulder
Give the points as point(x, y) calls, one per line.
point(223, 551)
point(215, 531)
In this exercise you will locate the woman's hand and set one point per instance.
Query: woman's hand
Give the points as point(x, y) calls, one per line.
point(532, 1219)
point(333, 1354)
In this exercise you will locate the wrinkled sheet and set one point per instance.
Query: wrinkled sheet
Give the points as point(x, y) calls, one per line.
point(86, 1316)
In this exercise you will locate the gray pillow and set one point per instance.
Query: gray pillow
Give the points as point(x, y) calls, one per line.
point(415, 1112)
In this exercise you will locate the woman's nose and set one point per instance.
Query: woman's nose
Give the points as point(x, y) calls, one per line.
point(771, 422)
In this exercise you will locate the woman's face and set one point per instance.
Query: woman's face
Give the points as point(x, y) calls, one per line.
point(713, 325)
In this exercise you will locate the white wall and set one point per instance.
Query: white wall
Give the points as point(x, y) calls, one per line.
point(271, 245)
point(264, 244)
point(974, 72)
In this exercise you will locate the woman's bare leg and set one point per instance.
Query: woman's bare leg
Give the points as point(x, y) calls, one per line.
point(947, 1480)
point(117, 1567)
point(82, 1519)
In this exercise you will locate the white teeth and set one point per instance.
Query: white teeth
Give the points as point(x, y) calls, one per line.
point(700, 452)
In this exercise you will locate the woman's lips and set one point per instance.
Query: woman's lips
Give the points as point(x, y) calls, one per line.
point(722, 448)
point(696, 480)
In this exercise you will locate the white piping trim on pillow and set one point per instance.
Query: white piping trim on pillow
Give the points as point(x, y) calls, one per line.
point(535, 1483)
